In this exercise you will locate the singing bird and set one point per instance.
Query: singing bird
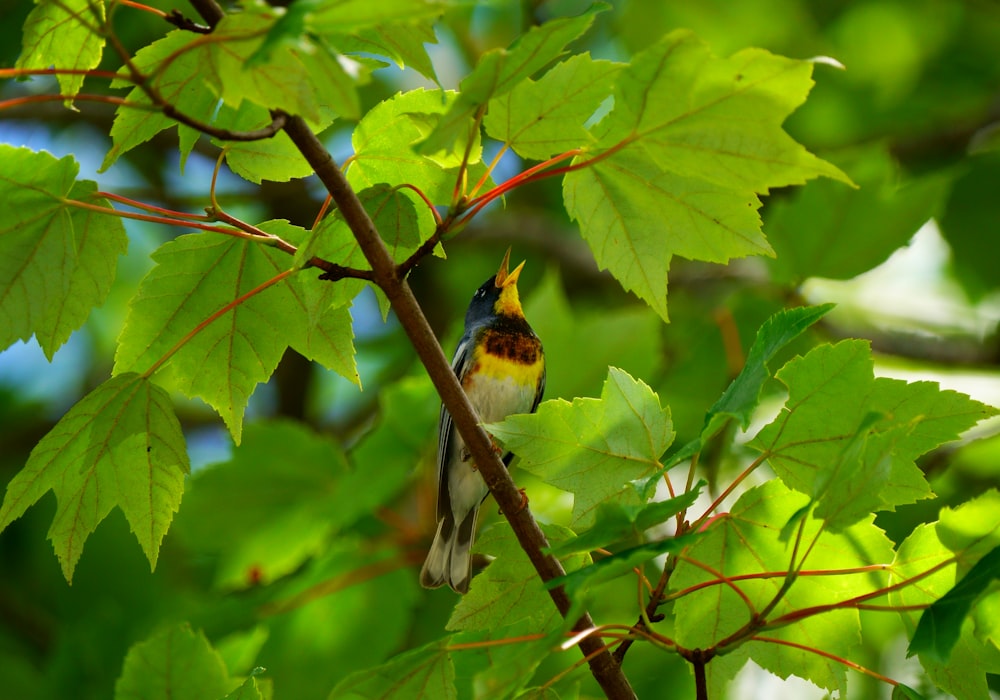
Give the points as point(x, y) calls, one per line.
point(500, 364)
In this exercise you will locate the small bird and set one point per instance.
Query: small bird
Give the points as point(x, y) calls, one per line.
point(500, 364)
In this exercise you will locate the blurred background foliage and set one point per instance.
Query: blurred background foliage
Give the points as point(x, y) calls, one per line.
point(290, 567)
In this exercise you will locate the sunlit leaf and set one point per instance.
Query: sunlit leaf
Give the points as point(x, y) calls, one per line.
point(384, 143)
point(850, 440)
point(57, 260)
point(539, 119)
point(179, 80)
point(748, 541)
point(928, 564)
point(121, 445)
point(508, 591)
point(941, 624)
point(692, 141)
point(195, 73)
point(306, 80)
point(593, 447)
point(499, 70)
point(276, 159)
point(743, 395)
point(194, 287)
point(65, 34)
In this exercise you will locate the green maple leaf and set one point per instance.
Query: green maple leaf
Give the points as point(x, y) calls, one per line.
point(353, 15)
point(404, 44)
point(424, 672)
point(397, 30)
point(940, 625)
point(593, 448)
point(749, 540)
point(176, 663)
point(57, 261)
point(742, 397)
point(849, 440)
point(301, 79)
point(276, 159)
point(402, 220)
point(65, 34)
point(384, 146)
point(948, 549)
point(539, 119)
point(509, 591)
point(199, 275)
point(503, 670)
point(178, 75)
point(121, 445)
point(499, 70)
point(194, 73)
point(615, 522)
point(692, 141)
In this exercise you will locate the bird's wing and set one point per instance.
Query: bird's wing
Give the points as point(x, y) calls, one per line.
point(459, 364)
point(538, 392)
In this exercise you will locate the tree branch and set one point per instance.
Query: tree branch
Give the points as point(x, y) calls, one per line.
point(210, 11)
point(265, 132)
point(177, 19)
point(605, 669)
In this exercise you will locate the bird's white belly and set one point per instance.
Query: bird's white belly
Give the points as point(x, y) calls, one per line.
point(494, 399)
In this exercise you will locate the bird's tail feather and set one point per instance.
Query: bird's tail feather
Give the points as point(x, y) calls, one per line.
point(450, 557)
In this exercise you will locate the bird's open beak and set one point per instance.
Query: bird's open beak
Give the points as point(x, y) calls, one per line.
point(504, 278)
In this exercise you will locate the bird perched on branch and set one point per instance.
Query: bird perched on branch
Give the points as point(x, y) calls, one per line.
point(500, 364)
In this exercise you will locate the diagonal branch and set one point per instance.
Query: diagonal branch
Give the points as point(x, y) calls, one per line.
point(606, 671)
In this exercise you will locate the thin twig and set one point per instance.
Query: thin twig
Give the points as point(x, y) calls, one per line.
point(181, 22)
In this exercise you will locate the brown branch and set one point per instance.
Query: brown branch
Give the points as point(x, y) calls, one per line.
point(332, 272)
point(210, 11)
point(700, 681)
point(265, 132)
point(606, 671)
point(181, 22)
point(143, 82)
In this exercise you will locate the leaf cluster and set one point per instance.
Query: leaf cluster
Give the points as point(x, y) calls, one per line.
point(700, 506)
